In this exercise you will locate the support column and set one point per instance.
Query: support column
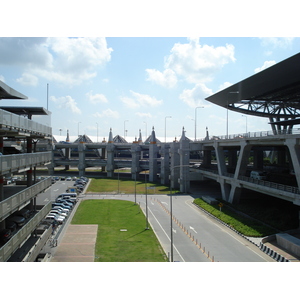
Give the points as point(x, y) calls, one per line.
point(165, 164)
point(110, 166)
point(81, 155)
point(294, 149)
point(153, 151)
point(184, 153)
point(241, 168)
point(135, 161)
point(175, 161)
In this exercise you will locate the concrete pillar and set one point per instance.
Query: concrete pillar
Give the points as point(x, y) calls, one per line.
point(241, 168)
point(135, 160)
point(294, 149)
point(81, 157)
point(221, 163)
point(153, 151)
point(165, 164)
point(110, 150)
point(175, 161)
point(184, 153)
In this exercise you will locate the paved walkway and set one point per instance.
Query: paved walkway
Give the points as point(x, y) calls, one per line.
point(77, 244)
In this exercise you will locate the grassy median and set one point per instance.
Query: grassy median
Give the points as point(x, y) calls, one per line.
point(121, 236)
point(126, 186)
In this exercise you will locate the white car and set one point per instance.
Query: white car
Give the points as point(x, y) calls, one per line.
point(52, 217)
point(54, 211)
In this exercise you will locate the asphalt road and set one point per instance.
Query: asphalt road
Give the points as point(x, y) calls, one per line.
point(196, 236)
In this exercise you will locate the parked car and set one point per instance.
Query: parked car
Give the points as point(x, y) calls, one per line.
point(53, 218)
point(63, 205)
point(24, 212)
point(5, 235)
point(10, 225)
point(63, 209)
point(68, 178)
point(20, 221)
point(60, 209)
point(55, 211)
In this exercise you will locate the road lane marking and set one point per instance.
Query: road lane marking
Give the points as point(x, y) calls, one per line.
point(166, 234)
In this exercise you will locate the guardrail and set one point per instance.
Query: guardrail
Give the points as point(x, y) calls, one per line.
point(14, 121)
point(11, 204)
point(270, 184)
point(23, 234)
point(38, 246)
point(13, 163)
point(253, 134)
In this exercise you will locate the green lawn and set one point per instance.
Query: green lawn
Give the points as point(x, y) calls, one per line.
point(243, 224)
point(126, 186)
point(114, 245)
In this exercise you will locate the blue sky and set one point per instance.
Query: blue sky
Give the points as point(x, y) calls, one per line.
point(138, 75)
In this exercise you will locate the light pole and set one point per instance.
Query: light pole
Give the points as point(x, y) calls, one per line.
point(124, 127)
point(146, 130)
point(246, 123)
point(166, 127)
point(97, 132)
point(78, 128)
point(196, 121)
point(147, 224)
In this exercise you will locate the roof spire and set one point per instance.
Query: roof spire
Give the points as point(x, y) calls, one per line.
point(153, 138)
point(110, 138)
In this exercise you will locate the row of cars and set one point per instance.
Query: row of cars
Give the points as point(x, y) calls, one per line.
point(13, 223)
point(61, 208)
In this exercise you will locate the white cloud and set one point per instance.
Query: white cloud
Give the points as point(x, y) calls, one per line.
point(96, 98)
point(266, 65)
point(66, 102)
point(277, 42)
point(2, 78)
point(28, 79)
point(107, 113)
point(198, 63)
point(140, 100)
point(167, 78)
point(143, 115)
point(65, 60)
point(194, 97)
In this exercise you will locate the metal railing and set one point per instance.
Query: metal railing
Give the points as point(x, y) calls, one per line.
point(13, 163)
point(254, 134)
point(270, 184)
point(23, 234)
point(11, 204)
point(14, 121)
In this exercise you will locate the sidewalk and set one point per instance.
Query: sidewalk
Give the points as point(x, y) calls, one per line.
point(77, 244)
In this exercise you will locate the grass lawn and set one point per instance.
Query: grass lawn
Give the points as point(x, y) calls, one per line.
point(113, 245)
point(126, 186)
point(239, 222)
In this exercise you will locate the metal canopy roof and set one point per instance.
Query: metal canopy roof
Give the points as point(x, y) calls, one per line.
point(26, 110)
point(273, 92)
point(7, 92)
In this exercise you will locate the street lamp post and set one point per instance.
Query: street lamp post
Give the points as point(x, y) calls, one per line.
point(147, 223)
point(246, 123)
point(196, 121)
point(97, 132)
point(124, 127)
point(166, 127)
point(78, 127)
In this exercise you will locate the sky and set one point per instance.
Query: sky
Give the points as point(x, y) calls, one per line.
point(128, 83)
